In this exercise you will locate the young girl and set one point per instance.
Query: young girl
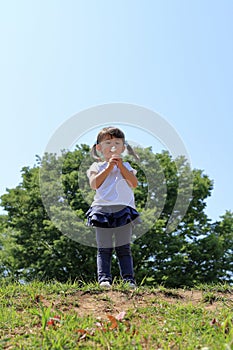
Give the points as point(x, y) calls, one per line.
point(113, 210)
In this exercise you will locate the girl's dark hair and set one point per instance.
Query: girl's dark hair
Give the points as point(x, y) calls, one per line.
point(112, 132)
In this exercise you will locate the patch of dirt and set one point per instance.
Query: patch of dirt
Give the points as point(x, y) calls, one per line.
point(112, 302)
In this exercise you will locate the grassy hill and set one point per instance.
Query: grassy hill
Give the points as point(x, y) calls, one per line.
point(82, 316)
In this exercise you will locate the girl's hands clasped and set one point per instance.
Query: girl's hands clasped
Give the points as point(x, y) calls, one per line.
point(115, 160)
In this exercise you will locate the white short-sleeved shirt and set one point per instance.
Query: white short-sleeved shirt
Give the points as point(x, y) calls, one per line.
point(115, 189)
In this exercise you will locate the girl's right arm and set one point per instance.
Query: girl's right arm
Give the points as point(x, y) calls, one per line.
point(96, 179)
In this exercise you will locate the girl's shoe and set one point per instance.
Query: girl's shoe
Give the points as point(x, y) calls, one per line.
point(132, 285)
point(105, 284)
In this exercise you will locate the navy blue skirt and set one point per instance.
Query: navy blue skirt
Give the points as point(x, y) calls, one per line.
point(112, 216)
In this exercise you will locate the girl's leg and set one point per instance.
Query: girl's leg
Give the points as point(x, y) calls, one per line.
point(104, 254)
point(123, 253)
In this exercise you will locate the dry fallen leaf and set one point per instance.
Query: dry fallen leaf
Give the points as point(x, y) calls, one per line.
point(113, 321)
point(121, 316)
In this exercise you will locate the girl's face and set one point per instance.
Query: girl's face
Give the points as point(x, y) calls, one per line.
point(110, 146)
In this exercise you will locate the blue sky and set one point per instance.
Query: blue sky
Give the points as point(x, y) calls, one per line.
point(171, 56)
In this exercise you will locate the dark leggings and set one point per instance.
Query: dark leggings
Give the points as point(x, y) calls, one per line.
point(107, 240)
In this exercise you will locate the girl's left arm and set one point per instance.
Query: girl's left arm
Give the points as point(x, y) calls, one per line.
point(128, 175)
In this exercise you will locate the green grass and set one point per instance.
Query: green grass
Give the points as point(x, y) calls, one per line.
point(82, 316)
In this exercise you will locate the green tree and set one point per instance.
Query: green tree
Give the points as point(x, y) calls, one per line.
point(8, 268)
point(40, 249)
point(223, 231)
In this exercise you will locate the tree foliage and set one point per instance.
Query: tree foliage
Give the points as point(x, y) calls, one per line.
point(40, 234)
